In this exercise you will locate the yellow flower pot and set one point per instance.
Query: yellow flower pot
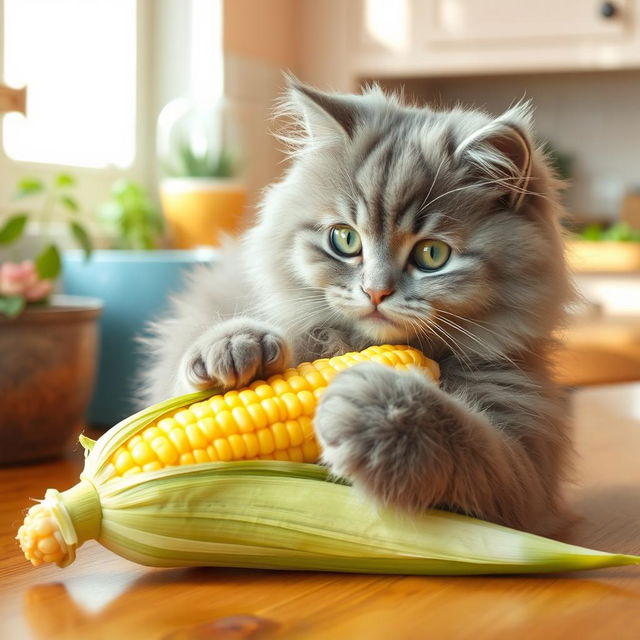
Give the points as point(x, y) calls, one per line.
point(201, 211)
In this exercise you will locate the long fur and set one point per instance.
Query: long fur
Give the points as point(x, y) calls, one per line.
point(492, 440)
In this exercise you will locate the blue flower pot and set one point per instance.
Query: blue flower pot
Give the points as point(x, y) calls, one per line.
point(134, 287)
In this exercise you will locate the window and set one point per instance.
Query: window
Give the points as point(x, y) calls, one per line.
point(78, 58)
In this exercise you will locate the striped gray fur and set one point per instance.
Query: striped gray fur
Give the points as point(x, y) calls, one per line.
point(492, 440)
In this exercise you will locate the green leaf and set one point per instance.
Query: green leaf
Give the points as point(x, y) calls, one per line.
point(593, 233)
point(131, 214)
point(111, 212)
point(64, 180)
point(29, 186)
point(48, 263)
point(225, 165)
point(12, 306)
point(619, 232)
point(127, 188)
point(70, 203)
point(86, 442)
point(82, 238)
point(13, 228)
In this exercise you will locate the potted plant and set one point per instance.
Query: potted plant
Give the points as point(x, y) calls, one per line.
point(48, 343)
point(605, 248)
point(134, 280)
point(202, 194)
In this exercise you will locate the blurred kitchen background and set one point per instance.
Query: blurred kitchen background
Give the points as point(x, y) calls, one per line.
point(147, 114)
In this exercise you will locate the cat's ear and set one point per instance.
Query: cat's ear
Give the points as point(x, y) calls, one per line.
point(502, 151)
point(324, 117)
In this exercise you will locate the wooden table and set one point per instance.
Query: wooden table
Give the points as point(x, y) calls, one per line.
point(102, 596)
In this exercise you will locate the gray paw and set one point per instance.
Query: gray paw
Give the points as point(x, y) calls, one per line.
point(232, 354)
point(371, 423)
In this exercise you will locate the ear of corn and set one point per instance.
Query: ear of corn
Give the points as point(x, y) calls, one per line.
point(268, 514)
point(282, 515)
point(269, 419)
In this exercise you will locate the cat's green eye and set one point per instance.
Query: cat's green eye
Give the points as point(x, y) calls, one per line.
point(430, 255)
point(345, 240)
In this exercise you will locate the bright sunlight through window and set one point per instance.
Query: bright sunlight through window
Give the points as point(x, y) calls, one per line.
point(78, 60)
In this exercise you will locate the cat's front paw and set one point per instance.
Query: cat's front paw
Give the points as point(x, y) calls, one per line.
point(371, 423)
point(232, 354)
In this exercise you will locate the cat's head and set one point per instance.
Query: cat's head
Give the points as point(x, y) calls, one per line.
point(406, 224)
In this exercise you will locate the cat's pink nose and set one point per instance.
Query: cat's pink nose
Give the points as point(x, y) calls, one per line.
point(378, 295)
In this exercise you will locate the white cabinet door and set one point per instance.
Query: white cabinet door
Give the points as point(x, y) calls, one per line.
point(503, 21)
point(429, 38)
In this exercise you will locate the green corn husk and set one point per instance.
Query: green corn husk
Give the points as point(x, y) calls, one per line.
point(279, 515)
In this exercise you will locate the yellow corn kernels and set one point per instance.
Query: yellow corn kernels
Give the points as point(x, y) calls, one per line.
point(40, 537)
point(270, 419)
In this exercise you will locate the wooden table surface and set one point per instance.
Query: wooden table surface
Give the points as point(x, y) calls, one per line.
point(102, 596)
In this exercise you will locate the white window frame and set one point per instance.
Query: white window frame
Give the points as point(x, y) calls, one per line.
point(94, 183)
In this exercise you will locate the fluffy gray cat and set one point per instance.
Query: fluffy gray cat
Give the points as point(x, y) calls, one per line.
point(398, 224)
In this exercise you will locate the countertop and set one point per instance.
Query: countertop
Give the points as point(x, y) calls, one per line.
point(102, 596)
point(599, 350)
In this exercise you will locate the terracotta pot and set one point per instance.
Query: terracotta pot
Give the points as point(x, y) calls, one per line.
point(200, 211)
point(48, 362)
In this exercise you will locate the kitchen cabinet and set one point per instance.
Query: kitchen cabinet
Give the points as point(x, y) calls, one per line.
point(431, 38)
point(501, 22)
point(600, 350)
point(604, 257)
point(600, 343)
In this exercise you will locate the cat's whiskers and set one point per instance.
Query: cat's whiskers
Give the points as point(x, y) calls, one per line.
point(307, 321)
point(523, 190)
point(433, 182)
point(450, 341)
point(505, 180)
point(303, 289)
point(484, 326)
point(455, 190)
point(457, 351)
point(274, 303)
point(305, 311)
point(486, 352)
point(428, 321)
point(485, 345)
point(352, 188)
point(419, 332)
point(428, 329)
point(425, 326)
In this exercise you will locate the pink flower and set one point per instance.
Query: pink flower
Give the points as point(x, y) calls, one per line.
point(11, 279)
point(21, 279)
point(38, 290)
